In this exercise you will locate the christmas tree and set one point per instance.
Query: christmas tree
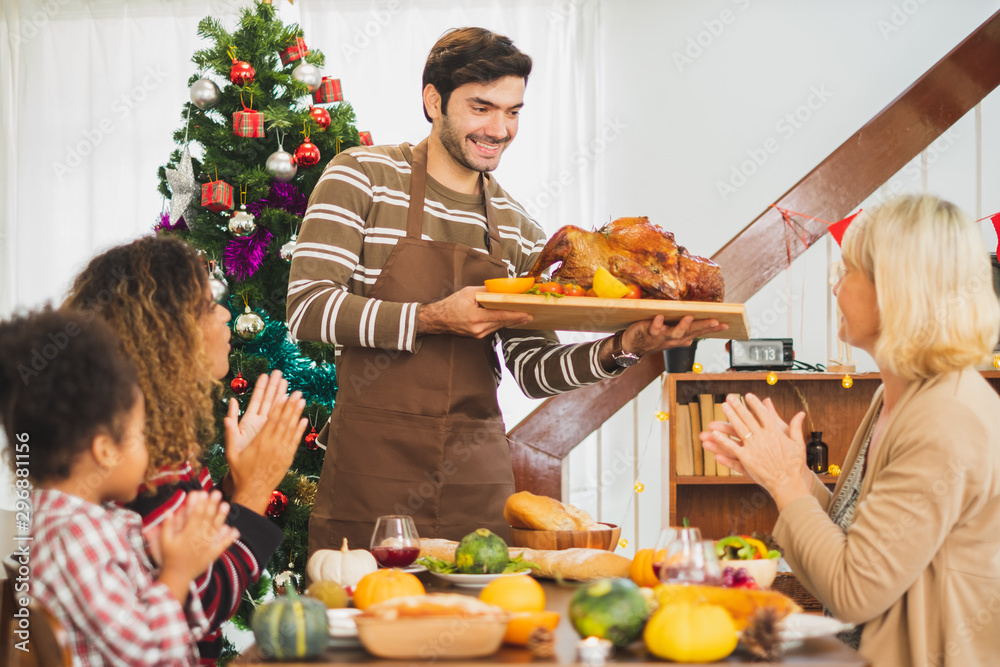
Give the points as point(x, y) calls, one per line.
point(263, 135)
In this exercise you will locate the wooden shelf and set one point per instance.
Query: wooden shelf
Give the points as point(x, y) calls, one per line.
point(688, 480)
point(721, 506)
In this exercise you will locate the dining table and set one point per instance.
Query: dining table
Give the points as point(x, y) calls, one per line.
point(824, 651)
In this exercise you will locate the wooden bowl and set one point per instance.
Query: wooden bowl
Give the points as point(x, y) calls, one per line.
point(606, 538)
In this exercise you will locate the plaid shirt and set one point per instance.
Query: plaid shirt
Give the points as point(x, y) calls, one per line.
point(90, 569)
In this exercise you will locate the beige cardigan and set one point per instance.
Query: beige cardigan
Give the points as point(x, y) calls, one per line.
point(920, 565)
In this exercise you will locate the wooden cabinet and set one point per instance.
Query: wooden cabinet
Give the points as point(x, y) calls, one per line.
point(721, 506)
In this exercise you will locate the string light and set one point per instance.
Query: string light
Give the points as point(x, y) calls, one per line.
point(834, 470)
point(996, 361)
point(662, 416)
point(639, 487)
point(772, 378)
point(847, 381)
point(697, 368)
point(623, 543)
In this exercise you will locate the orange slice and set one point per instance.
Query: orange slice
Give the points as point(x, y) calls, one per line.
point(509, 285)
point(607, 286)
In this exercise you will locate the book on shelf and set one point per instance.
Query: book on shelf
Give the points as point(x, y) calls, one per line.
point(685, 453)
point(697, 450)
point(720, 416)
point(706, 407)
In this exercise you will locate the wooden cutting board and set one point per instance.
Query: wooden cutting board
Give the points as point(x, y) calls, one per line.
point(584, 313)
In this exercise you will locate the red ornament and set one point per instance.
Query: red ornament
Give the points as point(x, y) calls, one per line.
point(321, 116)
point(307, 154)
point(311, 439)
point(277, 505)
point(239, 384)
point(366, 138)
point(217, 196)
point(241, 73)
point(294, 51)
point(329, 90)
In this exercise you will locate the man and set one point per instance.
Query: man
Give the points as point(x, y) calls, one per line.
point(395, 244)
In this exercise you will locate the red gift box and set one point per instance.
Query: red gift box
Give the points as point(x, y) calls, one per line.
point(217, 196)
point(328, 91)
point(366, 138)
point(248, 123)
point(296, 51)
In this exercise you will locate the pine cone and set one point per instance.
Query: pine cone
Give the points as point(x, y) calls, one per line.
point(761, 636)
point(542, 643)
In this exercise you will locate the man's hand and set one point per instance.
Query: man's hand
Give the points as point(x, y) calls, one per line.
point(460, 314)
point(653, 336)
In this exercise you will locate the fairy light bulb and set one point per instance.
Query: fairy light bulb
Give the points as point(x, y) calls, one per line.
point(847, 382)
point(697, 368)
point(996, 361)
point(833, 470)
point(772, 378)
point(623, 543)
point(662, 416)
point(639, 487)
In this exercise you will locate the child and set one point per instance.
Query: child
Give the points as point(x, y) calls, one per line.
point(72, 404)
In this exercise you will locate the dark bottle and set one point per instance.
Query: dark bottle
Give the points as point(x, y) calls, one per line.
point(817, 453)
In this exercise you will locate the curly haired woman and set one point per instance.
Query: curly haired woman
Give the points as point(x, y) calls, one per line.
point(154, 293)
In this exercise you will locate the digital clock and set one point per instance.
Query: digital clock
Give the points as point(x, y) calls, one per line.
point(761, 354)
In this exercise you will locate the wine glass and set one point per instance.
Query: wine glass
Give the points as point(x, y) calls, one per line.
point(691, 562)
point(667, 536)
point(395, 542)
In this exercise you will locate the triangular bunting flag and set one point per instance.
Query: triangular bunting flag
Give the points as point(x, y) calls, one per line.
point(837, 229)
point(995, 219)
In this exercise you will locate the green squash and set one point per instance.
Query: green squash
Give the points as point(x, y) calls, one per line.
point(481, 552)
point(612, 609)
point(291, 627)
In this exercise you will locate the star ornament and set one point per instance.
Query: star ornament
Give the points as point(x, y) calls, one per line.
point(182, 186)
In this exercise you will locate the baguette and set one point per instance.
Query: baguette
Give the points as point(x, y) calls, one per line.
point(571, 564)
point(526, 510)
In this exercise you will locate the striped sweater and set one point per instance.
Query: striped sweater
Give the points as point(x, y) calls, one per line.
point(357, 213)
point(220, 588)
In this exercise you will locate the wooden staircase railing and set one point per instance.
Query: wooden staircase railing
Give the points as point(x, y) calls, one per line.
point(886, 143)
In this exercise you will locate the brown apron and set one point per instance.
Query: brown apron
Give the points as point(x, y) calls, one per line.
point(422, 433)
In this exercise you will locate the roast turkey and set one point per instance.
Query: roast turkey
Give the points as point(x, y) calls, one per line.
point(635, 251)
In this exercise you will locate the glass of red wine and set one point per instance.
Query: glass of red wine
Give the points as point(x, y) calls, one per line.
point(395, 542)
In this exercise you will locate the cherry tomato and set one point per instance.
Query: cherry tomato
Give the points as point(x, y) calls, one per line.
point(590, 292)
point(573, 290)
point(634, 292)
point(552, 288)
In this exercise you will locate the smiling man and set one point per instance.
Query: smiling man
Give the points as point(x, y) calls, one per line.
point(395, 244)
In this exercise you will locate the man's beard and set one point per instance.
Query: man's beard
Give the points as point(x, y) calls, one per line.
point(459, 152)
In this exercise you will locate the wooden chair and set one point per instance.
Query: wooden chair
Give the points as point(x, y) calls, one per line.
point(49, 644)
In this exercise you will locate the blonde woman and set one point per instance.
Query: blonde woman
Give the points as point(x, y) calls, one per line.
point(908, 544)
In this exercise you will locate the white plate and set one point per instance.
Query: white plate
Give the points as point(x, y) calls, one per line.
point(474, 580)
point(414, 569)
point(343, 631)
point(796, 627)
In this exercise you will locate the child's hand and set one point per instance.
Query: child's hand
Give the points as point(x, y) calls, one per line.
point(192, 538)
point(259, 467)
point(268, 390)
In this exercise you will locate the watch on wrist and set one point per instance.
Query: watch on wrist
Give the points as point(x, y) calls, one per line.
point(622, 358)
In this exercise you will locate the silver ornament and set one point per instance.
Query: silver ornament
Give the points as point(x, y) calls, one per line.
point(308, 74)
point(242, 223)
point(182, 187)
point(281, 165)
point(285, 580)
point(219, 285)
point(204, 94)
point(248, 325)
point(288, 249)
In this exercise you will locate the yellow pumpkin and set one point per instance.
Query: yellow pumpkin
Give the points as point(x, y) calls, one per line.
point(690, 632)
point(641, 569)
point(345, 566)
point(384, 585)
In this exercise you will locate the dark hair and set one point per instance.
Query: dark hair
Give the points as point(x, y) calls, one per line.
point(152, 292)
point(62, 382)
point(472, 55)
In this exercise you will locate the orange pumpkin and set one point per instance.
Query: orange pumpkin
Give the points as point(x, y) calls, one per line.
point(383, 585)
point(641, 569)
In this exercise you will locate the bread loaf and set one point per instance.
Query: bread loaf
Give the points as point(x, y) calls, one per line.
point(526, 510)
point(571, 564)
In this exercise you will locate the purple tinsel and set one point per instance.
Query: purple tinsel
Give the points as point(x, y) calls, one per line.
point(284, 196)
point(243, 257)
point(164, 224)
